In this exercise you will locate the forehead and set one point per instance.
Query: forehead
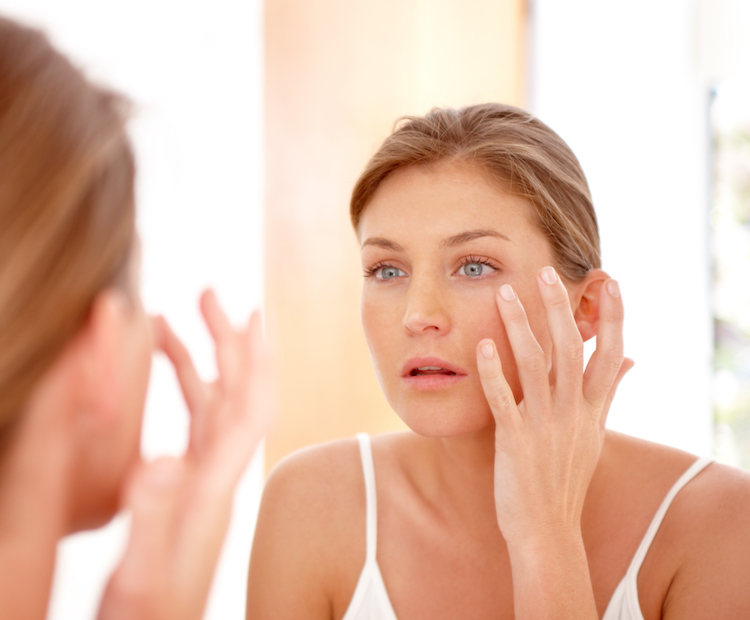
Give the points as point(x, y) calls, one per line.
point(443, 199)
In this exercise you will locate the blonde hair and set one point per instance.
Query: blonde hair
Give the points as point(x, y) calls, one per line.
point(530, 159)
point(66, 206)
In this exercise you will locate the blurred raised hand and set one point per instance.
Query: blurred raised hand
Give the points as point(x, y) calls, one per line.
point(181, 507)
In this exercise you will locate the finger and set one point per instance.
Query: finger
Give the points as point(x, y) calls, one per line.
point(251, 411)
point(262, 379)
point(567, 351)
point(193, 388)
point(496, 389)
point(529, 356)
point(627, 364)
point(153, 498)
point(228, 346)
point(605, 363)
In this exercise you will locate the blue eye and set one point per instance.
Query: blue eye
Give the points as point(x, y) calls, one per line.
point(387, 273)
point(476, 269)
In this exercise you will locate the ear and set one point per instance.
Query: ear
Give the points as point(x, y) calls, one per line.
point(585, 298)
point(98, 349)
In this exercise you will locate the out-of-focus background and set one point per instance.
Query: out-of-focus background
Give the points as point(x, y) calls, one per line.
point(254, 119)
point(648, 95)
point(194, 72)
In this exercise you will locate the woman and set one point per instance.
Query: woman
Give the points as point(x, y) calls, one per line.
point(509, 499)
point(75, 350)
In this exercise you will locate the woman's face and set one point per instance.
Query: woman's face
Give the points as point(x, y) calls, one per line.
point(136, 369)
point(118, 451)
point(437, 243)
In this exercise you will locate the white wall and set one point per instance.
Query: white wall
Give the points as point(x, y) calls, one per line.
point(619, 82)
point(194, 70)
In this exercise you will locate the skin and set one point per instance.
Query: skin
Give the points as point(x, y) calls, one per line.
point(76, 453)
point(509, 499)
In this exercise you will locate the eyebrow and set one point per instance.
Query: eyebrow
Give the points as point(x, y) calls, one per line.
point(470, 235)
point(381, 242)
point(450, 242)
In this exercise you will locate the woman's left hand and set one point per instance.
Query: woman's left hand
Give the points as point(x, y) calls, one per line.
point(181, 506)
point(548, 445)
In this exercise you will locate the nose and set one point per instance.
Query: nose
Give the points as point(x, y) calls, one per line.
point(426, 310)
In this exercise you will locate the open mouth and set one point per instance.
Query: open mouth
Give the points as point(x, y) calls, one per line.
point(430, 370)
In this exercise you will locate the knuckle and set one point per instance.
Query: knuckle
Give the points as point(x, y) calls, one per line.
point(491, 374)
point(616, 364)
point(534, 362)
point(559, 300)
point(614, 356)
point(501, 401)
point(574, 351)
point(516, 317)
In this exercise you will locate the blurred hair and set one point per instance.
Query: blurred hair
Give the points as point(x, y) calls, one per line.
point(66, 206)
point(530, 159)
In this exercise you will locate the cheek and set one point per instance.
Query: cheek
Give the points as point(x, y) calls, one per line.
point(139, 372)
point(483, 321)
point(145, 352)
point(380, 320)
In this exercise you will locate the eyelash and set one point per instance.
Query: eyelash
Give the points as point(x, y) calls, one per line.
point(477, 260)
point(370, 272)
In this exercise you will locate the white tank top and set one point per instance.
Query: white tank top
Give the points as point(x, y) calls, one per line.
point(370, 600)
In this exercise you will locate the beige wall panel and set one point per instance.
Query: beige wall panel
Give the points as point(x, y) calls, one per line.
point(338, 73)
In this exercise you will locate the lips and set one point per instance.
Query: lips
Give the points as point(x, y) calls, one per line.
point(430, 366)
point(430, 370)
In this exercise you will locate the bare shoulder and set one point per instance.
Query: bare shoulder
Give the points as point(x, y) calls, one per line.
point(309, 540)
point(324, 484)
point(717, 498)
point(710, 526)
point(698, 564)
point(315, 491)
point(312, 476)
point(712, 515)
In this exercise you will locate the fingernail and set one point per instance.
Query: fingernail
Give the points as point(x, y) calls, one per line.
point(507, 292)
point(548, 275)
point(488, 351)
point(613, 288)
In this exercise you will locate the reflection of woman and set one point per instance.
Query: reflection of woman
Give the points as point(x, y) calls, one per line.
point(508, 499)
point(75, 349)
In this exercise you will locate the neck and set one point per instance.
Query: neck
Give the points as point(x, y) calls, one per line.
point(460, 476)
point(464, 475)
point(33, 515)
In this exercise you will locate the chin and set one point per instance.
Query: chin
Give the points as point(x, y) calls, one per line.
point(451, 410)
point(92, 521)
point(441, 419)
point(96, 509)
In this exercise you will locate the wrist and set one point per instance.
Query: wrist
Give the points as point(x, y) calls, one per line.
point(551, 577)
point(559, 546)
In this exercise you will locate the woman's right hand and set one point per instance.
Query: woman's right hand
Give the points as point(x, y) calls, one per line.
point(181, 507)
point(548, 445)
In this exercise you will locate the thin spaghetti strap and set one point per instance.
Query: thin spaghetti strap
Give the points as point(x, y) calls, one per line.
point(368, 469)
point(653, 528)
